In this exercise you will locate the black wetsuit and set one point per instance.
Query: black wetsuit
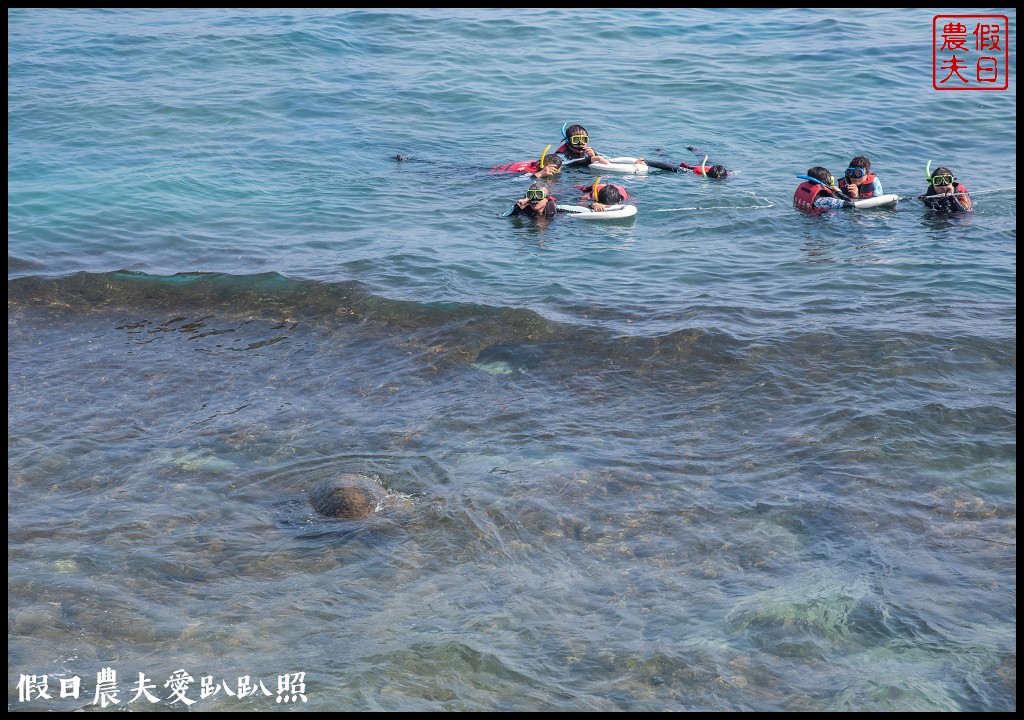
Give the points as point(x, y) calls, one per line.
point(549, 210)
point(571, 158)
point(665, 166)
point(947, 202)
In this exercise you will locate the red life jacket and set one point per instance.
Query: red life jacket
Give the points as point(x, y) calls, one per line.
point(805, 194)
point(589, 190)
point(696, 169)
point(869, 182)
point(523, 166)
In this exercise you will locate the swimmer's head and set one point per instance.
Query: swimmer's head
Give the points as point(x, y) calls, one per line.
point(537, 192)
point(577, 136)
point(822, 175)
point(552, 159)
point(609, 195)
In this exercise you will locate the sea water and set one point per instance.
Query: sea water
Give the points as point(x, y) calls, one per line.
point(722, 456)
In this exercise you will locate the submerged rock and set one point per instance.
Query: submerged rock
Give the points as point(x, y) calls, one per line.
point(349, 497)
point(511, 358)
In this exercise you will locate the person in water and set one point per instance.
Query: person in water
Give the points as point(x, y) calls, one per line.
point(946, 194)
point(858, 182)
point(820, 193)
point(601, 197)
point(576, 146)
point(549, 166)
point(716, 172)
point(537, 202)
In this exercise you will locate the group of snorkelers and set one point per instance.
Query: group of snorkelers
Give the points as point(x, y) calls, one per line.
point(576, 151)
point(820, 191)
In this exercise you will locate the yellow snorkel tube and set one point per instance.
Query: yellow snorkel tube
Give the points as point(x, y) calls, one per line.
point(542, 155)
point(704, 166)
point(595, 187)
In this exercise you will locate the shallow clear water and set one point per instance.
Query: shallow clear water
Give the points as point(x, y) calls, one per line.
point(721, 457)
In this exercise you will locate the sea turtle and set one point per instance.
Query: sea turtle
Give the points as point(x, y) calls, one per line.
point(349, 496)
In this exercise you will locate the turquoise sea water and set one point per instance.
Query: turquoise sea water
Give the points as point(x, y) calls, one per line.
point(724, 456)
